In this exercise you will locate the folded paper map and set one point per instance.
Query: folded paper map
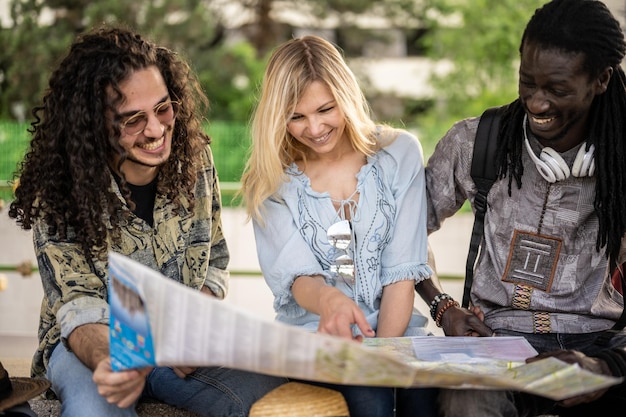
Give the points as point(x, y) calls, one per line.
point(156, 321)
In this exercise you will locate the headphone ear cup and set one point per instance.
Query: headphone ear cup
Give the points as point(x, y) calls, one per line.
point(555, 162)
point(544, 169)
point(584, 164)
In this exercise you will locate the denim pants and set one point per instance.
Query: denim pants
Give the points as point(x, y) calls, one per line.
point(481, 403)
point(207, 391)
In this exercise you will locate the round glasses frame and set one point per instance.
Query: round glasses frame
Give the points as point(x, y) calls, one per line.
point(136, 124)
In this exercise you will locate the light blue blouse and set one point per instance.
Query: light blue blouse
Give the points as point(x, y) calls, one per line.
point(389, 225)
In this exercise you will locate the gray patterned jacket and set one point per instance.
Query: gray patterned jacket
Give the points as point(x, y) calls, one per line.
point(538, 271)
point(187, 248)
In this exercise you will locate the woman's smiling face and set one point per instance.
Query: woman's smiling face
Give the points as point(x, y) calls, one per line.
point(317, 122)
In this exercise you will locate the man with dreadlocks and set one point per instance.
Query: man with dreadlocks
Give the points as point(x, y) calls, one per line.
point(555, 215)
point(119, 162)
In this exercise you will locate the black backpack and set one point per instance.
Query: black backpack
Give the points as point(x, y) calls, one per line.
point(484, 173)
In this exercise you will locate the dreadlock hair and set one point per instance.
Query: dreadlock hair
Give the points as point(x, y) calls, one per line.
point(64, 179)
point(589, 28)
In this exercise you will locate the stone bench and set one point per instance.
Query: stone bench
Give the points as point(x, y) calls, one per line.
point(148, 408)
point(52, 408)
point(281, 402)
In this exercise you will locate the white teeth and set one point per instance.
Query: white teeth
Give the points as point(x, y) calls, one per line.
point(321, 138)
point(152, 145)
point(542, 121)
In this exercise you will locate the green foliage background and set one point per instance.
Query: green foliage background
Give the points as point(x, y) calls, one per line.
point(230, 142)
point(478, 38)
point(481, 39)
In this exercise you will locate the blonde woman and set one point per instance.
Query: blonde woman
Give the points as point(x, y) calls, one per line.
point(319, 164)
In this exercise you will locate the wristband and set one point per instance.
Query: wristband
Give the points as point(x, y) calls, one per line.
point(449, 304)
point(435, 302)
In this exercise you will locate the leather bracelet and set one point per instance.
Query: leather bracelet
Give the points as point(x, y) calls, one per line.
point(435, 302)
point(449, 304)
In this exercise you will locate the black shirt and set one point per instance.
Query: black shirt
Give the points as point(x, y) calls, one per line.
point(143, 196)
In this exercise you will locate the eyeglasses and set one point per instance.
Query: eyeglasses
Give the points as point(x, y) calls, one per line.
point(340, 237)
point(135, 124)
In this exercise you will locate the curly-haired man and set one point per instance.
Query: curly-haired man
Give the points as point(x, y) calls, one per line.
point(118, 162)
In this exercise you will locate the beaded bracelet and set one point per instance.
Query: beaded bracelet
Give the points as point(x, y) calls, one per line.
point(450, 303)
point(435, 302)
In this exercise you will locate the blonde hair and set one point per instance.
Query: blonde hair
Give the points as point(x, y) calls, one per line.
point(293, 66)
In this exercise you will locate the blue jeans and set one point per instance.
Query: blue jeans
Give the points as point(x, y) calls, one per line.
point(479, 403)
point(367, 401)
point(207, 391)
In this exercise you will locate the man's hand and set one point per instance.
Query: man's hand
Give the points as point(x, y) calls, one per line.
point(594, 365)
point(90, 343)
point(206, 290)
point(119, 388)
point(457, 321)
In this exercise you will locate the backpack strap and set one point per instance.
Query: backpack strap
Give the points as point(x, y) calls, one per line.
point(484, 173)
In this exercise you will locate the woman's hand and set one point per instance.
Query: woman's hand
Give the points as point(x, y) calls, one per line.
point(338, 313)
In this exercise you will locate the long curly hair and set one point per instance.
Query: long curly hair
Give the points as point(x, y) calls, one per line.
point(64, 179)
point(587, 27)
point(293, 66)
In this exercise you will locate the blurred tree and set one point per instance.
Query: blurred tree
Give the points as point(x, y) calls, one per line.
point(40, 32)
point(262, 26)
point(232, 84)
point(27, 53)
point(480, 38)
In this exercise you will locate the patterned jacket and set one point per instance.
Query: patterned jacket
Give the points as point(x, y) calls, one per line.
point(188, 247)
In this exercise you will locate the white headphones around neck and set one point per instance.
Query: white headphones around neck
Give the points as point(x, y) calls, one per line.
point(553, 167)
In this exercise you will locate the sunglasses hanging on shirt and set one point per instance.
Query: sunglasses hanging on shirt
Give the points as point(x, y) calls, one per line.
point(340, 237)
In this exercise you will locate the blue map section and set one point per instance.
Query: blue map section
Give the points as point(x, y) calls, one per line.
point(129, 328)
